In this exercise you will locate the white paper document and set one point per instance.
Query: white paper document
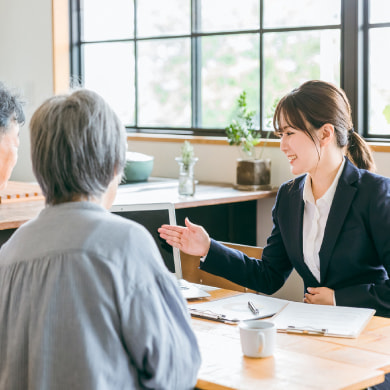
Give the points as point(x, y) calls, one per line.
point(237, 308)
point(336, 321)
point(288, 316)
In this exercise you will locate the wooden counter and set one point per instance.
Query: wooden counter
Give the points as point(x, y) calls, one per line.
point(206, 194)
point(227, 214)
point(12, 215)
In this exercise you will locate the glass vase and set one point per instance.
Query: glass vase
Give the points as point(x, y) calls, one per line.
point(186, 176)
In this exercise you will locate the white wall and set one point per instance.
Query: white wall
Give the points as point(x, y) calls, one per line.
point(217, 163)
point(26, 63)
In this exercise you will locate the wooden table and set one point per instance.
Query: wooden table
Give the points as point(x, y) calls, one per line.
point(300, 361)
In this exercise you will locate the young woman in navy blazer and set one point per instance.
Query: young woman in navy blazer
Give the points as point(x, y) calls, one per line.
point(332, 223)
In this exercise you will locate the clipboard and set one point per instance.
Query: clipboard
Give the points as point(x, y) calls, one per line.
point(288, 316)
point(209, 315)
point(323, 320)
point(235, 309)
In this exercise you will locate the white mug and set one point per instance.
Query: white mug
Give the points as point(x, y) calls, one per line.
point(258, 338)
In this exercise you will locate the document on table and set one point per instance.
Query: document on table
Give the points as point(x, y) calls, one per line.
point(335, 321)
point(238, 308)
point(290, 317)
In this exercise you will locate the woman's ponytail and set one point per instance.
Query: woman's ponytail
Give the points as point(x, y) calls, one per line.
point(359, 152)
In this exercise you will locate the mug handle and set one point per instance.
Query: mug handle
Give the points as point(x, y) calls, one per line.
point(261, 342)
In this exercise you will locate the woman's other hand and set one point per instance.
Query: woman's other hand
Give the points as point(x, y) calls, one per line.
point(320, 296)
point(192, 239)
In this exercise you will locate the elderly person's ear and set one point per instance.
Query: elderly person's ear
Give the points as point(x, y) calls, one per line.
point(109, 196)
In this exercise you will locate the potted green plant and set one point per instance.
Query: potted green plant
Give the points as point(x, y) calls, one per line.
point(253, 171)
point(186, 163)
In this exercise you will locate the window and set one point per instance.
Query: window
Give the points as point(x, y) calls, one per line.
point(378, 118)
point(178, 66)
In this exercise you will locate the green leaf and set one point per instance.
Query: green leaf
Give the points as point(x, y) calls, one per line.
point(386, 113)
point(187, 152)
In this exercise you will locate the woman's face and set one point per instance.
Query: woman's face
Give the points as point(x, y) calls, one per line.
point(9, 144)
point(299, 148)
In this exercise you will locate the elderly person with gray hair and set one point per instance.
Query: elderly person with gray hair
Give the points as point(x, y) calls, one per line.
point(86, 301)
point(11, 117)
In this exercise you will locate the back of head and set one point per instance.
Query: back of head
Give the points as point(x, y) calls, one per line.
point(316, 103)
point(11, 108)
point(78, 145)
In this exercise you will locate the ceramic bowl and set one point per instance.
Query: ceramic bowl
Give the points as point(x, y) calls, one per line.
point(138, 167)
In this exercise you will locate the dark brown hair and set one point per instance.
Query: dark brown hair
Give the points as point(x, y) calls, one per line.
point(314, 103)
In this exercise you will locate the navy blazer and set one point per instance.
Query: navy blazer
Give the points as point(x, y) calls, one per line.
point(354, 255)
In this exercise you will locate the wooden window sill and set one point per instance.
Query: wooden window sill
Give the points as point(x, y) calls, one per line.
point(273, 143)
point(193, 139)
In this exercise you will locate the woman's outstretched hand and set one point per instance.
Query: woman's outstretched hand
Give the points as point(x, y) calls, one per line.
point(192, 239)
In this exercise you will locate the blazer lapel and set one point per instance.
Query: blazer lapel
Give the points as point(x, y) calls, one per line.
point(296, 209)
point(295, 219)
point(341, 204)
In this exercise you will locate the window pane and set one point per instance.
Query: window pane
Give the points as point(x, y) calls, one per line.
point(164, 82)
point(379, 11)
point(230, 64)
point(379, 82)
point(294, 57)
point(299, 13)
point(105, 20)
point(167, 17)
point(109, 70)
point(229, 15)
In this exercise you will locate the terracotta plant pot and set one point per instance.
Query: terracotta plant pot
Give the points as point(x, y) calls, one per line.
point(253, 174)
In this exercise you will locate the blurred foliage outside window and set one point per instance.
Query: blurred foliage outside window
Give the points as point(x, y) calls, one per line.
point(167, 66)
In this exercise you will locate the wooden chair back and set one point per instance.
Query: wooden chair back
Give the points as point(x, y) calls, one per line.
point(192, 273)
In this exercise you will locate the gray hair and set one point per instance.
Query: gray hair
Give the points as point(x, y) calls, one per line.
point(11, 108)
point(78, 145)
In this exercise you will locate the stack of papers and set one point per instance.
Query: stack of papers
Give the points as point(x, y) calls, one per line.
point(236, 308)
point(335, 321)
point(288, 316)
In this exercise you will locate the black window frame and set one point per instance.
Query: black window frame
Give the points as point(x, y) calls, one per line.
point(354, 29)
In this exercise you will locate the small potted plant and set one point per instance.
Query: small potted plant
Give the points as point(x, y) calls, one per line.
point(186, 174)
point(253, 171)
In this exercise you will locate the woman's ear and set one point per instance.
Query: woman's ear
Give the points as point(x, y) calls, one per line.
point(327, 134)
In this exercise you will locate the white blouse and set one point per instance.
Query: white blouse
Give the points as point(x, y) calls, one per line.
point(314, 221)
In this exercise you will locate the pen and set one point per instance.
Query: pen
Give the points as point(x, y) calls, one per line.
point(209, 315)
point(253, 308)
point(307, 330)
